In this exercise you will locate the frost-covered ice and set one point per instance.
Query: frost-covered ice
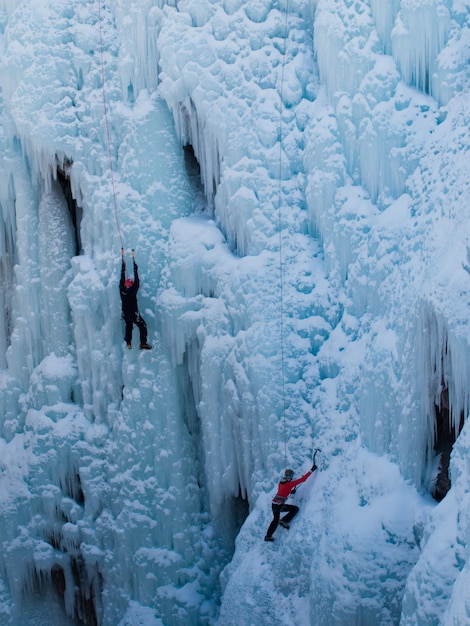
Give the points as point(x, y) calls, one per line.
point(293, 177)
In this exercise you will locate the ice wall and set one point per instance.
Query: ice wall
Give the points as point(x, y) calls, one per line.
point(373, 137)
point(400, 253)
point(103, 502)
point(235, 366)
point(374, 196)
point(8, 261)
point(304, 293)
point(321, 382)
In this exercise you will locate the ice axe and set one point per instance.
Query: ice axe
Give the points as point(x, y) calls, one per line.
point(314, 455)
point(313, 463)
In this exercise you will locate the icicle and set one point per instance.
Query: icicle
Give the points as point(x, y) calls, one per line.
point(418, 37)
point(344, 45)
point(444, 366)
point(385, 14)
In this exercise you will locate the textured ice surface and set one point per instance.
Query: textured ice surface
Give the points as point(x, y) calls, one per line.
point(307, 287)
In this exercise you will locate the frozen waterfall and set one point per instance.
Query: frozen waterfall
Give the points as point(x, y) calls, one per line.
point(293, 178)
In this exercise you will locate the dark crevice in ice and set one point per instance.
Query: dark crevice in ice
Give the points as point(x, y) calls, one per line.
point(71, 569)
point(445, 434)
point(74, 210)
point(193, 171)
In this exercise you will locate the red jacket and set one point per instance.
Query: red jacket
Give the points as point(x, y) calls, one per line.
point(284, 489)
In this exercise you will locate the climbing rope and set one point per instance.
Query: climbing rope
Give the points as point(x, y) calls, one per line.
point(281, 260)
point(107, 126)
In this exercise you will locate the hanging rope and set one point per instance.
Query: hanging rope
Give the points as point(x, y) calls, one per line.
point(281, 260)
point(107, 127)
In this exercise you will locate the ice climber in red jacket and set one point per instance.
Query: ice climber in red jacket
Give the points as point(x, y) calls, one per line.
point(284, 489)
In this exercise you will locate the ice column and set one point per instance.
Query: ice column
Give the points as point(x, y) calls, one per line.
point(419, 35)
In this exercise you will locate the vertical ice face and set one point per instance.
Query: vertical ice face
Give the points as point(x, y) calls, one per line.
point(305, 289)
point(99, 479)
point(8, 260)
point(56, 248)
point(420, 33)
point(234, 126)
point(376, 133)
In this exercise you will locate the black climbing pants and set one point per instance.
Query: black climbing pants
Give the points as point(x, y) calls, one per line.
point(291, 511)
point(142, 326)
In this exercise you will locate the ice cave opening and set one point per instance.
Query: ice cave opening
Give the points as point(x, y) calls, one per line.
point(445, 435)
point(239, 512)
point(85, 595)
point(200, 142)
point(193, 171)
point(75, 211)
point(193, 168)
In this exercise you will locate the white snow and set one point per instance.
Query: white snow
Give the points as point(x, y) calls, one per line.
point(293, 178)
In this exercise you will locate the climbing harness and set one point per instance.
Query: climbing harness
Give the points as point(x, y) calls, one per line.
point(281, 260)
point(107, 125)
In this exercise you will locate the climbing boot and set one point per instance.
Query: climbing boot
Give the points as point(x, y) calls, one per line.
point(267, 538)
point(284, 524)
point(145, 346)
point(129, 345)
